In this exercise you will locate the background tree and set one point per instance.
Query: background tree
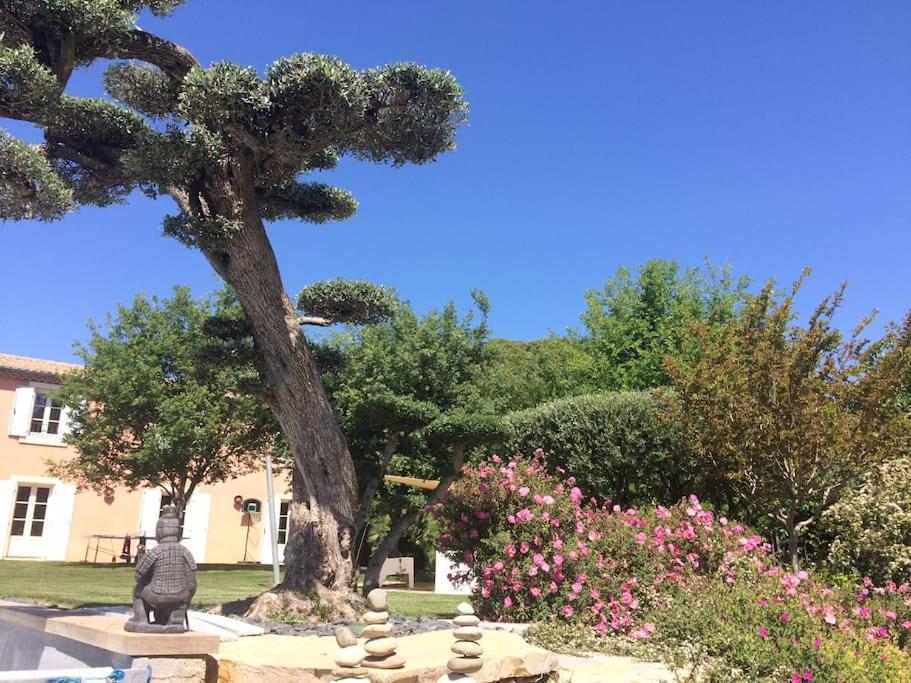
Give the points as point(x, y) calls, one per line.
point(632, 325)
point(151, 409)
point(788, 416)
point(523, 374)
point(406, 400)
point(228, 146)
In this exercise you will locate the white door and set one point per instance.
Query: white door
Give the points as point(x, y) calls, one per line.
point(59, 520)
point(196, 525)
point(265, 556)
point(27, 532)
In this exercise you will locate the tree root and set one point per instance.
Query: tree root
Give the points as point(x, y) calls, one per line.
point(319, 605)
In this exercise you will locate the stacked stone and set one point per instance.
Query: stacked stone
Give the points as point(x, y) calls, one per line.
point(467, 647)
point(380, 646)
point(349, 657)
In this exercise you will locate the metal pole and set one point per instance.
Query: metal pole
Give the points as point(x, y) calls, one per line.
point(273, 520)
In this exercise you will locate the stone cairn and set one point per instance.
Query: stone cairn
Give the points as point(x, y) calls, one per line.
point(349, 657)
point(380, 645)
point(467, 647)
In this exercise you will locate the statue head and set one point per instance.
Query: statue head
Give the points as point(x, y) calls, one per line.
point(168, 528)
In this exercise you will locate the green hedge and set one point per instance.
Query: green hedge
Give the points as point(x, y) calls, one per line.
point(616, 445)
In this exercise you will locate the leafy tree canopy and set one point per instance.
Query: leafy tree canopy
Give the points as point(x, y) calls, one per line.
point(786, 415)
point(633, 324)
point(152, 409)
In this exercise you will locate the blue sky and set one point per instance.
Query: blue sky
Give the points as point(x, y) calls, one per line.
point(765, 135)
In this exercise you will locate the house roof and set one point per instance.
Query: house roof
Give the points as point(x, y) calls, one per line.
point(33, 368)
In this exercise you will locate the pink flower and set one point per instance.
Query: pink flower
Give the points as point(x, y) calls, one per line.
point(763, 633)
point(507, 602)
point(525, 515)
point(785, 617)
point(567, 611)
point(575, 495)
point(523, 491)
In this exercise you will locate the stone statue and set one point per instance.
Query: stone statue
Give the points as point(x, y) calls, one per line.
point(165, 581)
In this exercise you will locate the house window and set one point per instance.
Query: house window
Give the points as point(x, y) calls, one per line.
point(46, 414)
point(283, 523)
point(30, 511)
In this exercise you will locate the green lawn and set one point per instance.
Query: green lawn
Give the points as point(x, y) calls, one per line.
point(86, 585)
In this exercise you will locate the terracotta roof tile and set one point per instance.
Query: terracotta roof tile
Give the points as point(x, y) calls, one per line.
point(22, 365)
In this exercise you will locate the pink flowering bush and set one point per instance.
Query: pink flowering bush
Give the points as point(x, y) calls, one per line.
point(536, 547)
point(676, 579)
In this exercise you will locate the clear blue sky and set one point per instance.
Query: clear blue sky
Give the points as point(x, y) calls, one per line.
point(766, 135)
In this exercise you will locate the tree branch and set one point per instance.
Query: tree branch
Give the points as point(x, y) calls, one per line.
point(315, 320)
point(171, 58)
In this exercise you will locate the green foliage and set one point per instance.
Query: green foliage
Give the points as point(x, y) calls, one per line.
point(152, 408)
point(464, 430)
point(144, 87)
point(302, 115)
point(523, 374)
point(870, 529)
point(27, 87)
point(394, 413)
point(347, 301)
point(632, 325)
point(616, 445)
point(29, 188)
point(787, 416)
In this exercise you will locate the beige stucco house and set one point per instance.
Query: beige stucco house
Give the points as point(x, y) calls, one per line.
point(48, 519)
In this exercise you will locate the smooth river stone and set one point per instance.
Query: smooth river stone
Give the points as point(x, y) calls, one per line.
point(465, 665)
point(467, 633)
point(380, 647)
point(467, 648)
point(465, 608)
point(376, 631)
point(466, 620)
point(350, 656)
point(393, 662)
point(352, 672)
point(371, 617)
point(376, 600)
point(345, 637)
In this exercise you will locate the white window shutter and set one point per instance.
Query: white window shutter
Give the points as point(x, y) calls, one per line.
point(64, 428)
point(23, 404)
point(196, 525)
point(148, 514)
point(59, 519)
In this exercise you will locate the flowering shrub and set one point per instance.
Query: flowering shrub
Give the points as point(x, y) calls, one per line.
point(678, 579)
point(537, 548)
point(871, 528)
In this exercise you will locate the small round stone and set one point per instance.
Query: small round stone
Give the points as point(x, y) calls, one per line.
point(467, 633)
point(466, 620)
point(371, 617)
point(350, 656)
point(351, 672)
point(465, 608)
point(379, 647)
point(345, 637)
point(465, 665)
point(467, 648)
point(376, 630)
point(391, 662)
point(376, 600)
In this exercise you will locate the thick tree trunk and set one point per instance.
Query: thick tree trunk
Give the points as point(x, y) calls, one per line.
point(327, 488)
point(402, 524)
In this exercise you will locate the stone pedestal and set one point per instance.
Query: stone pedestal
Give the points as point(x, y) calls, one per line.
point(43, 638)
